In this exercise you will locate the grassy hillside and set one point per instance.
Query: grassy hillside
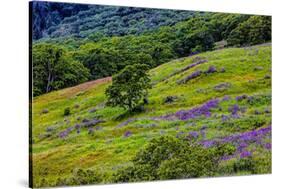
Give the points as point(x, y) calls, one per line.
point(236, 80)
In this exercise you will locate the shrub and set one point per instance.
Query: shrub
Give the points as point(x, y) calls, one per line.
point(66, 111)
point(168, 157)
point(170, 99)
point(257, 165)
point(244, 164)
point(158, 150)
point(195, 162)
point(45, 111)
point(135, 173)
point(263, 164)
point(81, 176)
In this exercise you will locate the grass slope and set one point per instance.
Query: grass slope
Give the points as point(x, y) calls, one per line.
point(239, 71)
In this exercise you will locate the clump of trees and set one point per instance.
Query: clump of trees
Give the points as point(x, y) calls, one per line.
point(168, 157)
point(54, 69)
point(257, 29)
point(129, 87)
point(99, 56)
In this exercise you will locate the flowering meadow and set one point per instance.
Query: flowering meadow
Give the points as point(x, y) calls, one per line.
point(207, 115)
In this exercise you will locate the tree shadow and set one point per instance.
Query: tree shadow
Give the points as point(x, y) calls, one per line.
point(137, 110)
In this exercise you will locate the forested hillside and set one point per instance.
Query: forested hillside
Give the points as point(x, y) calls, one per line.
point(56, 20)
point(102, 56)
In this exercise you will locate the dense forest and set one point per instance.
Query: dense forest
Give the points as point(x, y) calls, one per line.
point(60, 20)
point(104, 55)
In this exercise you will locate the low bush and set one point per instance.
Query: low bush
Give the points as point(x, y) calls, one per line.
point(170, 99)
point(66, 111)
point(168, 157)
point(81, 177)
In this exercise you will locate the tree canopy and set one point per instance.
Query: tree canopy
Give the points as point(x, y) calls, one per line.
point(53, 69)
point(105, 55)
point(129, 87)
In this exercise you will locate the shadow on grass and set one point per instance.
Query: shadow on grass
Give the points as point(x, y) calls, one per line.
point(137, 110)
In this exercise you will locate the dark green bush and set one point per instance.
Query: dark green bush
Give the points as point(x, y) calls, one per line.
point(244, 164)
point(66, 111)
point(168, 157)
point(196, 163)
point(82, 177)
point(158, 150)
point(135, 173)
point(170, 99)
point(263, 164)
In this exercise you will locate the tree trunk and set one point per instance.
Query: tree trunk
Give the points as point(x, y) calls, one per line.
point(50, 78)
point(48, 83)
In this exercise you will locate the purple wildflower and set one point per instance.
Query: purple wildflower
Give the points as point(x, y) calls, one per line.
point(242, 97)
point(224, 118)
point(126, 122)
point(91, 131)
point(63, 134)
point(127, 133)
point(226, 98)
point(242, 146)
point(193, 134)
point(268, 146)
point(242, 140)
point(234, 109)
point(190, 77)
point(77, 126)
point(85, 120)
point(198, 111)
point(91, 123)
point(50, 129)
point(69, 129)
point(193, 53)
point(222, 86)
point(228, 157)
point(235, 116)
point(211, 69)
point(194, 64)
point(245, 154)
point(208, 143)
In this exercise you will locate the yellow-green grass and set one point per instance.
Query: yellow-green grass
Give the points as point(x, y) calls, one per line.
point(107, 149)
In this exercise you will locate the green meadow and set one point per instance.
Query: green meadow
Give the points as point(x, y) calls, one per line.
point(237, 77)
